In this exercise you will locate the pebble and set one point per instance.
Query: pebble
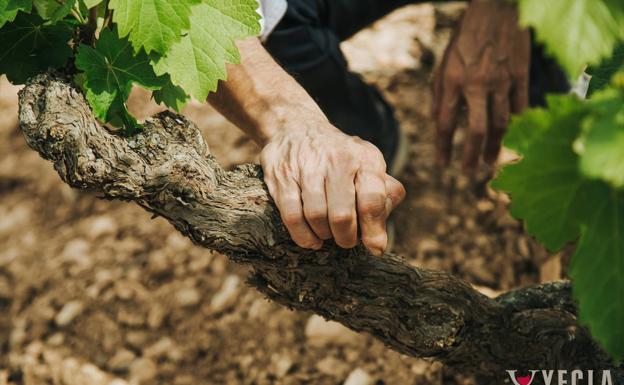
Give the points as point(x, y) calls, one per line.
point(158, 264)
point(227, 295)
point(77, 251)
point(164, 347)
point(188, 297)
point(453, 220)
point(137, 339)
point(332, 366)
point(100, 226)
point(69, 312)
point(282, 365)
point(177, 242)
point(485, 206)
point(56, 339)
point(122, 360)
point(523, 247)
point(428, 246)
point(131, 317)
point(156, 316)
point(320, 332)
point(143, 370)
point(358, 377)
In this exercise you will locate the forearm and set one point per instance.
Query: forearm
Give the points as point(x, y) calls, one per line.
point(260, 97)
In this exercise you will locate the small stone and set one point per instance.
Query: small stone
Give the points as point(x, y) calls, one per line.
point(188, 297)
point(227, 295)
point(130, 317)
point(320, 332)
point(122, 360)
point(485, 206)
point(156, 317)
point(137, 339)
point(77, 251)
point(358, 377)
point(177, 242)
point(523, 247)
point(102, 225)
point(69, 312)
point(143, 370)
point(56, 339)
point(124, 290)
point(453, 220)
point(470, 224)
point(158, 264)
point(259, 309)
point(159, 349)
point(428, 246)
point(282, 364)
point(332, 366)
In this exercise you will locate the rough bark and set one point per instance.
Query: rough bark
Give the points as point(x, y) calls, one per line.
point(167, 169)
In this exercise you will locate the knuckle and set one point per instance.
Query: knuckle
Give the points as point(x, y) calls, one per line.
point(373, 204)
point(291, 219)
point(342, 218)
point(316, 215)
point(341, 158)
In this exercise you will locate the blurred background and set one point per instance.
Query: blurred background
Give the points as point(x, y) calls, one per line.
point(95, 292)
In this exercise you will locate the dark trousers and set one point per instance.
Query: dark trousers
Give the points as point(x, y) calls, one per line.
point(307, 44)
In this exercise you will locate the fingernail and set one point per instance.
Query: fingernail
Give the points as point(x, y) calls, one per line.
point(377, 252)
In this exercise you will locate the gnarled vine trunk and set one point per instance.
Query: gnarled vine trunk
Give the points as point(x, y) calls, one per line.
point(168, 170)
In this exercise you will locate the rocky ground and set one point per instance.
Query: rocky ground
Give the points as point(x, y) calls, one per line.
point(96, 292)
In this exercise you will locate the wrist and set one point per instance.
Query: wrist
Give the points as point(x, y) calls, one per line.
point(285, 118)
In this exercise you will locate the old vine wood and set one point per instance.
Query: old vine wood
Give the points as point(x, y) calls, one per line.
point(168, 170)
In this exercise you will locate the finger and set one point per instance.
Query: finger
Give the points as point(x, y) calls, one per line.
point(371, 198)
point(447, 122)
point(394, 191)
point(476, 100)
point(341, 210)
point(520, 94)
point(288, 201)
point(315, 204)
point(498, 122)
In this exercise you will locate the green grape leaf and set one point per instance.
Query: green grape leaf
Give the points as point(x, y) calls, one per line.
point(171, 96)
point(110, 70)
point(29, 47)
point(559, 204)
point(577, 33)
point(52, 10)
point(154, 25)
point(601, 74)
point(546, 185)
point(601, 146)
point(597, 268)
point(91, 3)
point(9, 9)
point(198, 61)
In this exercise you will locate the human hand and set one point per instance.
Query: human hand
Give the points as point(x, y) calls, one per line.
point(486, 66)
point(325, 183)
